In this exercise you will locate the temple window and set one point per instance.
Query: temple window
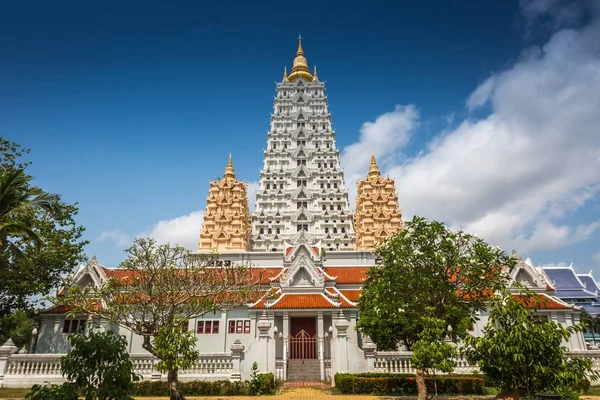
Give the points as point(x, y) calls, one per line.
point(210, 327)
point(239, 326)
point(73, 326)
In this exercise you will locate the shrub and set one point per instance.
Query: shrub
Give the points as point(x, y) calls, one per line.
point(402, 384)
point(266, 382)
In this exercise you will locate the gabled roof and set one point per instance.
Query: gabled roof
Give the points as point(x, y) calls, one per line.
point(544, 302)
point(589, 282)
point(348, 275)
point(563, 277)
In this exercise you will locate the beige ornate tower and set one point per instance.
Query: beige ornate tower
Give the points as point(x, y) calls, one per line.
point(377, 214)
point(227, 217)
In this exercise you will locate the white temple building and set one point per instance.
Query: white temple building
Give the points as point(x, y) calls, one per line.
point(314, 249)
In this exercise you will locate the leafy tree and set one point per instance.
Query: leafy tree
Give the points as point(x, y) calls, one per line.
point(432, 352)
point(163, 285)
point(428, 271)
point(97, 367)
point(39, 238)
point(592, 324)
point(176, 349)
point(524, 352)
point(17, 326)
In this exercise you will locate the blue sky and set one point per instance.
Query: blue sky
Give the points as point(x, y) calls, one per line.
point(484, 112)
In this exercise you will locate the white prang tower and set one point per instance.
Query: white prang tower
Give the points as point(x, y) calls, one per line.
point(301, 182)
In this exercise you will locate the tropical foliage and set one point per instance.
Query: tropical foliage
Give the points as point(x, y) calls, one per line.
point(39, 238)
point(428, 273)
point(522, 351)
point(97, 367)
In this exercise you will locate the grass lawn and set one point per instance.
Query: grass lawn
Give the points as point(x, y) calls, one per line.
point(13, 393)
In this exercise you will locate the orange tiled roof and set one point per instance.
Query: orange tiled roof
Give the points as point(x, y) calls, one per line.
point(308, 301)
point(347, 275)
point(261, 275)
point(351, 295)
point(59, 309)
point(543, 302)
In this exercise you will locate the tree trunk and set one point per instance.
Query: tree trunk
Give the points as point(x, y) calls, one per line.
point(422, 389)
point(173, 383)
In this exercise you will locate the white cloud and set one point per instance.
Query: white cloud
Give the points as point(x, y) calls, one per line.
point(389, 134)
point(509, 176)
point(119, 238)
point(251, 192)
point(184, 230)
point(555, 265)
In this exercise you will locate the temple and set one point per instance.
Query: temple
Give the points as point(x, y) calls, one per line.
point(315, 253)
point(377, 214)
point(227, 216)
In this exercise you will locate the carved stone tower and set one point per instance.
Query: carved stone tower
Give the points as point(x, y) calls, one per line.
point(377, 213)
point(301, 182)
point(227, 218)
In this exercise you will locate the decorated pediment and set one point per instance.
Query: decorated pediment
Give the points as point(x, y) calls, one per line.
point(302, 269)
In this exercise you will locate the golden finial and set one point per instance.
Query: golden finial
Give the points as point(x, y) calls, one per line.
point(373, 168)
point(300, 68)
point(300, 52)
point(285, 73)
point(315, 77)
point(229, 172)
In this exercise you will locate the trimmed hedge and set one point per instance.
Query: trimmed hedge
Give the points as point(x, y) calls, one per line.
point(267, 382)
point(402, 384)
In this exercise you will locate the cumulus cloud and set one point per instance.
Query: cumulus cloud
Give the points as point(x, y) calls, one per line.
point(555, 265)
point(119, 238)
point(386, 136)
point(508, 176)
point(252, 189)
point(184, 230)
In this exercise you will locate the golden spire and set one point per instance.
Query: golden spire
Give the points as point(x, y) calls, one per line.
point(300, 68)
point(373, 169)
point(315, 77)
point(285, 73)
point(229, 172)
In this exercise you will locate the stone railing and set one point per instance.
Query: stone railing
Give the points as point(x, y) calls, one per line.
point(400, 362)
point(25, 370)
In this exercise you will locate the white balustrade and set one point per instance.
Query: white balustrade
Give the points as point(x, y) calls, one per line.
point(25, 370)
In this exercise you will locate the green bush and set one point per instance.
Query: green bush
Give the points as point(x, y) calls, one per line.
point(402, 384)
point(267, 385)
point(66, 391)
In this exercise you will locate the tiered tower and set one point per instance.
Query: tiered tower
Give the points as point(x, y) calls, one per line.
point(377, 214)
point(226, 225)
point(301, 182)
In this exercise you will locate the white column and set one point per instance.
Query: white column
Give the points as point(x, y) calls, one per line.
point(263, 325)
point(341, 326)
point(237, 348)
point(286, 334)
point(370, 350)
point(6, 350)
point(321, 338)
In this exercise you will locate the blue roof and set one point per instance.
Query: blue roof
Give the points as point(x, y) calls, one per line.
point(589, 282)
point(573, 294)
point(592, 309)
point(563, 278)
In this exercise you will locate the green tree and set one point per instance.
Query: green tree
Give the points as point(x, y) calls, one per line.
point(432, 353)
point(39, 238)
point(428, 271)
point(176, 349)
point(163, 285)
point(525, 352)
point(97, 367)
point(17, 326)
